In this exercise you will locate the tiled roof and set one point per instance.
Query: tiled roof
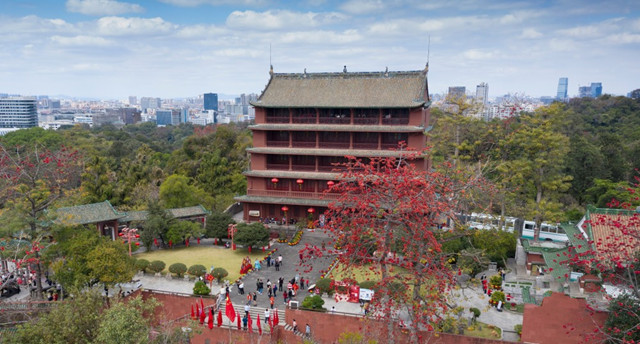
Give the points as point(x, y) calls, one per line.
point(609, 230)
point(345, 90)
point(329, 152)
point(88, 213)
point(340, 127)
point(196, 210)
point(283, 200)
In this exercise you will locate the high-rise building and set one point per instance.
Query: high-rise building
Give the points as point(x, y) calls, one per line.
point(164, 117)
point(133, 100)
point(211, 101)
point(482, 93)
point(150, 103)
point(307, 123)
point(563, 86)
point(596, 89)
point(457, 92)
point(18, 112)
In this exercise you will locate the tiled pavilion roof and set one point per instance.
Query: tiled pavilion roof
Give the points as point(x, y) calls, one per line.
point(88, 213)
point(345, 90)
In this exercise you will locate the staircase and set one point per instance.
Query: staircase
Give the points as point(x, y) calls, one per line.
point(288, 327)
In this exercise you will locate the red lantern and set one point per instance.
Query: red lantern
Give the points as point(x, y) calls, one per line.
point(311, 210)
point(120, 234)
point(137, 236)
point(274, 180)
point(300, 181)
point(285, 208)
point(330, 183)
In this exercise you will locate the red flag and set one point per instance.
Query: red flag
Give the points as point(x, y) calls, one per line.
point(193, 314)
point(203, 314)
point(276, 320)
point(219, 317)
point(201, 303)
point(249, 322)
point(229, 311)
point(271, 324)
point(210, 322)
point(259, 325)
point(239, 324)
point(197, 310)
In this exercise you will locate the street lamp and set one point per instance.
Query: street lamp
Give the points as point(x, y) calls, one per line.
point(129, 234)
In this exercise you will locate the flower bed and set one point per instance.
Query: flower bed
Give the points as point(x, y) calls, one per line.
point(296, 238)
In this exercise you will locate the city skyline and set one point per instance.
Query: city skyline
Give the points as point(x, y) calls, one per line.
point(181, 48)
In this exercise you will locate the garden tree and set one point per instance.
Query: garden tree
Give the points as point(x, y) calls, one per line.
point(250, 235)
point(585, 163)
point(180, 231)
point(139, 177)
point(498, 245)
point(604, 191)
point(128, 322)
point(536, 154)
point(400, 207)
point(32, 179)
point(623, 322)
point(83, 258)
point(98, 180)
point(218, 224)
point(157, 224)
point(177, 191)
point(33, 136)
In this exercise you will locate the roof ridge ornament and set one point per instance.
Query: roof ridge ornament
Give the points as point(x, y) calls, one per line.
point(344, 70)
point(386, 71)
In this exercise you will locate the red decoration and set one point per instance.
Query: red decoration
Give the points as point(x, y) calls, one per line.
point(330, 183)
point(274, 180)
point(300, 182)
point(285, 208)
point(311, 210)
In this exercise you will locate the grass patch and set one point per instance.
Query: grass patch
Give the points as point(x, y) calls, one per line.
point(488, 331)
point(205, 255)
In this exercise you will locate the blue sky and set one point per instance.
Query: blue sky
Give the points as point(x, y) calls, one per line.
point(180, 48)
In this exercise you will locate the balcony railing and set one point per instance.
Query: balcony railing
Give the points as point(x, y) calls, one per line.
point(365, 121)
point(334, 120)
point(295, 167)
point(292, 194)
point(273, 143)
point(342, 145)
point(277, 119)
point(395, 121)
point(303, 144)
point(365, 145)
point(303, 120)
point(278, 167)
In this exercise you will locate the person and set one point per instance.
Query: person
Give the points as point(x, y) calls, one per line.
point(247, 308)
point(284, 296)
point(255, 299)
point(244, 321)
point(266, 315)
point(277, 265)
point(302, 282)
point(268, 260)
point(257, 265)
point(241, 288)
point(333, 309)
point(280, 282)
point(280, 259)
point(272, 301)
point(308, 331)
point(295, 326)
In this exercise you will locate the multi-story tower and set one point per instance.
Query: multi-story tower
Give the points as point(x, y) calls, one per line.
point(211, 101)
point(482, 93)
point(563, 86)
point(18, 112)
point(306, 123)
point(457, 92)
point(596, 89)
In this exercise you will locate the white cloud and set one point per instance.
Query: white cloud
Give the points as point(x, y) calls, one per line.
point(133, 26)
point(321, 37)
point(81, 40)
point(624, 38)
point(200, 31)
point(281, 19)
point(477, 54)
point(363, 6)
point(558, 44)
point(102, 7)
point(530, 33)
point(194, 3)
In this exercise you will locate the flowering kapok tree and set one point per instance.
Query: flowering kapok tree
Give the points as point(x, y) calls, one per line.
point(613, 253)
point(32, 178)
point(386, 220)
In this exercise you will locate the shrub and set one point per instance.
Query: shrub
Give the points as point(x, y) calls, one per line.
point(476, 313)
point(496, 297)
point(368, 284)
point(201, 288)
point(197, 270)
point(314, 302)
point(325, 285)
point(219, 274)
point(518, 328)
point(178, 268)
point(142, 264)
point(157, 266)
point(495, 282)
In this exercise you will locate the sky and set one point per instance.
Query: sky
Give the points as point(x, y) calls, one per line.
point(111, 49)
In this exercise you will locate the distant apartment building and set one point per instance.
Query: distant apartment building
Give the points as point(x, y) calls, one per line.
point(150, 103)
point(592, 91)
point(563, 86)
point(457, 92)
point(211, 101)
point(482, 93)
point(168, 116)
point(18, 112)
point(133, 100)
point(125, 115)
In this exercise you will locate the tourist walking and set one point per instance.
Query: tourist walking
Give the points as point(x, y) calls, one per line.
point(266, 315)
point(241, 288)
point(280, 282)
point(247, 308)
point(308, 331)
point(272, 300)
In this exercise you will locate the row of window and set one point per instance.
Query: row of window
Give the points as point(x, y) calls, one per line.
point(338, 116)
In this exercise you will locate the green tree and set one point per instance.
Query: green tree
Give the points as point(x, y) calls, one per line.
point(217, 224)
point(177, 191)
point(314, 302)
point(498, 245)
point(179, 231)
point(128, 322)
point(250, 235)
point(536, 152)
point(178, 268)
point(109, 263)
point(157, 224)
point(219, 274)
